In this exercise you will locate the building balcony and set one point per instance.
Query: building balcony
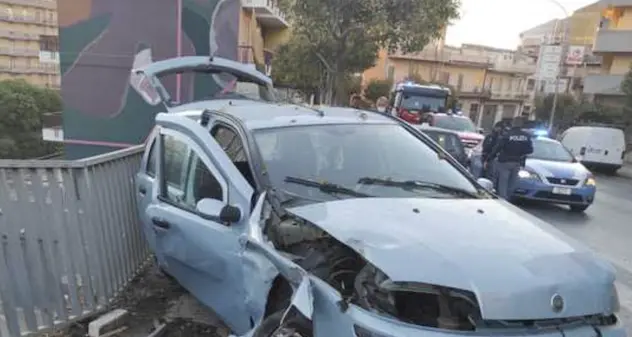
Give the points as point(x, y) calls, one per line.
point(45, 4)
point(18, 36)
point(42, 69)
point(603, 84)
point(19, 52)
point(32, 20)
point(613, 41)
point(267, 12)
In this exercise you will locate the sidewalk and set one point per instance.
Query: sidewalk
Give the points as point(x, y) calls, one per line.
point(625, 171)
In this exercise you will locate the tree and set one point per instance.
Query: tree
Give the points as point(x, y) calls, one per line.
point(21, 106)
point(377, 88)
point(345, 35)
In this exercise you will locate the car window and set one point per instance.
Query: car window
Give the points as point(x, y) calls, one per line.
point(201, 183)
point(414, 102)
point(454, 123)
point(151, 160)
point(175, 158)
point(187, 179)
point(448, 141)
point(230, 142)
point(342, 154)
point(550, 150)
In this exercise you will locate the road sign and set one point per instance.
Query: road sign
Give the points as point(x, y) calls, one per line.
point(549, 62)
point(575, 55)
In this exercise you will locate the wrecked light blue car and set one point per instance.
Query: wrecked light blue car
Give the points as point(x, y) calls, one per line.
point(291, 221)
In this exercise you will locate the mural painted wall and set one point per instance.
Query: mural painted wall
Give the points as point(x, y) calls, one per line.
point(102, 40)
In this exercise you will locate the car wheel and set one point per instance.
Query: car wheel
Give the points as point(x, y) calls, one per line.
point(578, 208)
point(293, 326)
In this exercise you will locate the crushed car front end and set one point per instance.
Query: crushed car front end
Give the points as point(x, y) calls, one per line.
point(440, 278)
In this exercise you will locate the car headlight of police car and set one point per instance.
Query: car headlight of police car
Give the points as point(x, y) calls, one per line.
point(528, 174)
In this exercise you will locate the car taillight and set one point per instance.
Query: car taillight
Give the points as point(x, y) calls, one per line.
point(582, 151)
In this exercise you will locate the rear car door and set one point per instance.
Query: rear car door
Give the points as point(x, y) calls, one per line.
point(203, 254)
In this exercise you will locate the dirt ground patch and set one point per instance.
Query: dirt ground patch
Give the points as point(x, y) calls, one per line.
point(152, 299)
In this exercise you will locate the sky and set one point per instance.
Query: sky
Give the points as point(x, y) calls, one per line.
point(498, 23)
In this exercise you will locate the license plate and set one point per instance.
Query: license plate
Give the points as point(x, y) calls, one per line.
point(562, 190)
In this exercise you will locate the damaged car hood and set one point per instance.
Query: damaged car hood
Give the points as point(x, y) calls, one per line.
point(514, 263)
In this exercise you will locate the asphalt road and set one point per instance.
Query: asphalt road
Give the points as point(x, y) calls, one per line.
point(606, 227)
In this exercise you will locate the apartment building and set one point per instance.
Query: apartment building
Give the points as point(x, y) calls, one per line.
point(262, 28)
point(29, 44)
point(612, 43)
point(491, 83)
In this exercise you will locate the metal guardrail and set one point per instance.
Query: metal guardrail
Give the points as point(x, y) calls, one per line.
point(70, 239)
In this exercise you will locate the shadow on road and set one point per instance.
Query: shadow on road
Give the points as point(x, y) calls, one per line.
point(560, 215)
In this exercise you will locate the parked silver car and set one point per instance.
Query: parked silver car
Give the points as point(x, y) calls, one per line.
point(291, 221)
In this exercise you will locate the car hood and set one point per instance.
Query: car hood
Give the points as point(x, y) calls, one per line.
point(513, 262)
point(565, 170)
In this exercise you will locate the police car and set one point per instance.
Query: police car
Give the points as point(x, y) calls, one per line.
point(551, 174)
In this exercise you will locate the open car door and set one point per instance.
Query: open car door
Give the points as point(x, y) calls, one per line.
point(202, 250)
point(146, 79)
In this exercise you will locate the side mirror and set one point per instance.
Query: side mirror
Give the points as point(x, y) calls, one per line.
point(215, 210)
point(486, 183)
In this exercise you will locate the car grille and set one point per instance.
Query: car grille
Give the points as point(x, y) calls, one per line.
point(559, 197)
point(560, 181)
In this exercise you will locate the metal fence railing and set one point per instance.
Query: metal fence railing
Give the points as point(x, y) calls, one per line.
point(69, 238)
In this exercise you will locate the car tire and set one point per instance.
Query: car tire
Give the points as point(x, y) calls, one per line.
point(271, 326)
point(578, 208)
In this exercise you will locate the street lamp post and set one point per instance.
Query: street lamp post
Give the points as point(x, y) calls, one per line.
point(564, 44)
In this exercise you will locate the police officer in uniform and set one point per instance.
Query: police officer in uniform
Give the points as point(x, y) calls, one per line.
point(489, 143)
point(511, 152)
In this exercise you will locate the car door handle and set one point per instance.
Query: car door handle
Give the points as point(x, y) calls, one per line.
point(161, 223)
point(142, 190)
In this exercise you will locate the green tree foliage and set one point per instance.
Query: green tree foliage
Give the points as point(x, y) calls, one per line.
point(345, 35)
point(571, 110)
point(21, 108)
point(377, 88)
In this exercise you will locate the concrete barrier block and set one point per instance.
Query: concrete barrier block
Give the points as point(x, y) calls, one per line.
point(109, 322)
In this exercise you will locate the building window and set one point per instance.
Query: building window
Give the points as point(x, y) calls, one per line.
point(49, 43)
point(474, 108)
point(390, 73)
point(530, 84)
point(459, 84)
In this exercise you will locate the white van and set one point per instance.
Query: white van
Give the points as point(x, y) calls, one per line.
point(597, 147)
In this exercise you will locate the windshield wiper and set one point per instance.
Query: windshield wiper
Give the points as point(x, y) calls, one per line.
point(326, 187)
point(417, 184)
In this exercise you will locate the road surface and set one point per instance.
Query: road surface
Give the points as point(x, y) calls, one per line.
point(607, 228)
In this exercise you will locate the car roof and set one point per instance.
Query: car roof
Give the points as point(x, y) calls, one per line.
point(265, 115)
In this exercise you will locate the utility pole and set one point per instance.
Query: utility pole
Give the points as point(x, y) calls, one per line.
point(564, 46)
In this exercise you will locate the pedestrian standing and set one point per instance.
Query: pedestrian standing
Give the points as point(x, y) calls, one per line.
point(512, 149)
point(381, 104)
point(356, 101)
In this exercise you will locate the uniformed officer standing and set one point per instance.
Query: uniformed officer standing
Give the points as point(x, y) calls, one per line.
point(489, 143)
point(512, 150)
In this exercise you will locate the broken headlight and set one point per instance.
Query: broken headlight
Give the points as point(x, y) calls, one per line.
point(416, 303)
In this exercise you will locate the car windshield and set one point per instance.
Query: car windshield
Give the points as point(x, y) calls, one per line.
point(550, 150)
point(414, 102)
point(321, 162)
point(223, 85)
point(455, 123)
